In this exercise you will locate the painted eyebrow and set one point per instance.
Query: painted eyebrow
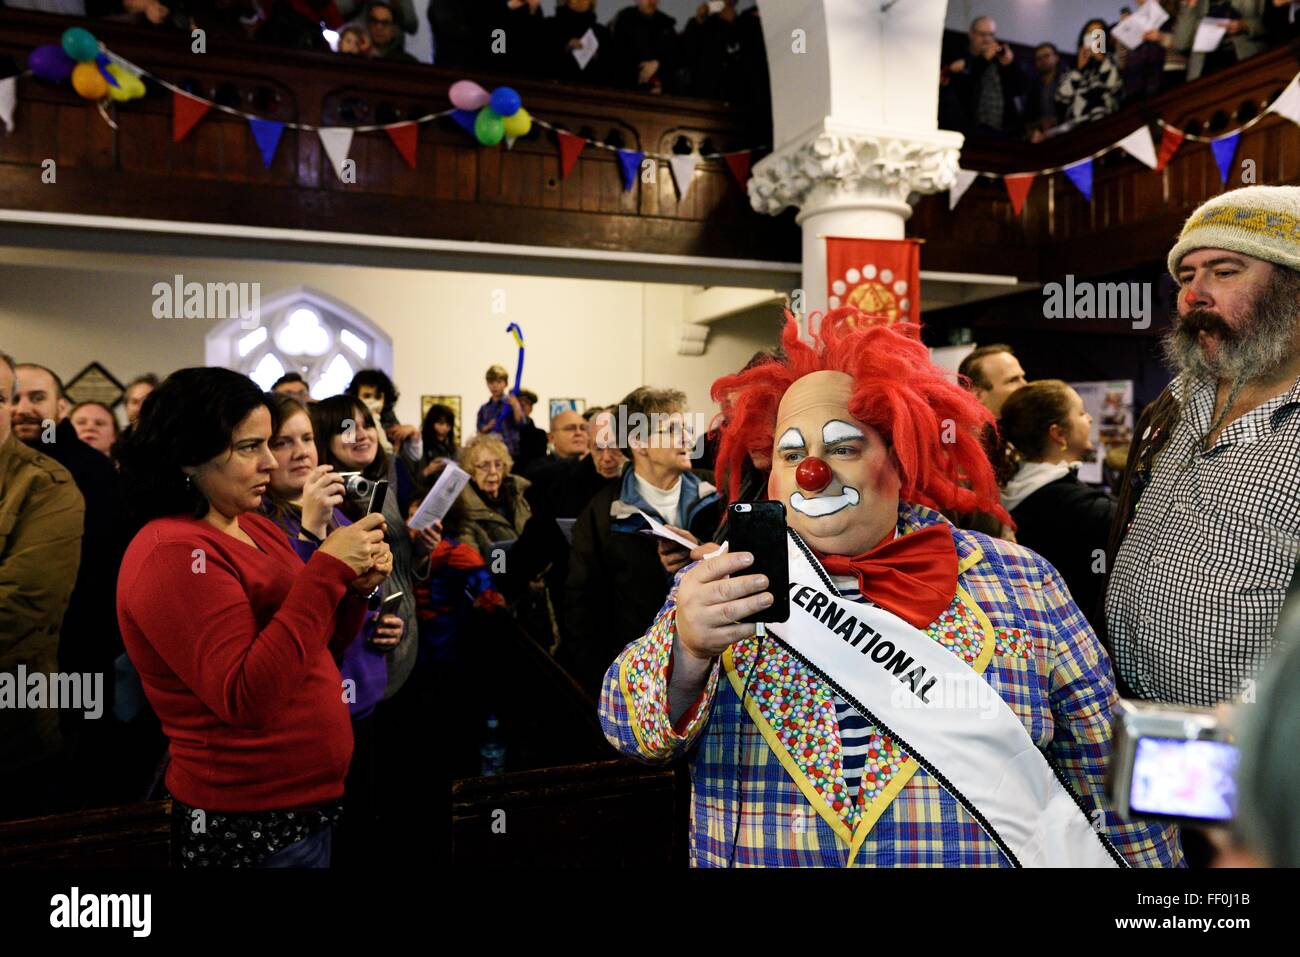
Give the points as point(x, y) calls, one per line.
point(791, 439)
point(838, 430)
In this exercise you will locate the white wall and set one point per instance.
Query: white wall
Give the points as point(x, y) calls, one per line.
point(589, 339)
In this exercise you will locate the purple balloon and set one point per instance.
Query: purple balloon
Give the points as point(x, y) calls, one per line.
point(50, 63)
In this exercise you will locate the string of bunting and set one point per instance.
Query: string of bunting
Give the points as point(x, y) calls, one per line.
point(99, 74)
point(1141, 146)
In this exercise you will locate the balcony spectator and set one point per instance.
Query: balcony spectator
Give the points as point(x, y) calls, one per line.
point(385, 31)
point(1282, 21)
point(296, 24)
point(981, 87)
point(95, 425)
point(89, 641)
point(452, 25)
point(1042, 110)
point(645, 44)
point(1147, 68)
point(1092, 88)
point(616, 583)
point(508, 36)
point(1056, 515)
point(405, 19)
point(1244, 38)
point(564, 33)
point(501, 413)
point(42, 514)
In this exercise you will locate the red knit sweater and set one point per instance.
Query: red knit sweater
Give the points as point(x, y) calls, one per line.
point(233, 646)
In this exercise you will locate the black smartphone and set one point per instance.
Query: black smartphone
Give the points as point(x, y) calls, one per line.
point(377, 495)
point(759, 527)
point(389, 605)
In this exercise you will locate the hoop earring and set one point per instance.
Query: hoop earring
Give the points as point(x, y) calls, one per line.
point(189, 483)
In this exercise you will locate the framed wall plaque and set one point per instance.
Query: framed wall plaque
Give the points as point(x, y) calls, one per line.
point(94, 384)
point(557, 406)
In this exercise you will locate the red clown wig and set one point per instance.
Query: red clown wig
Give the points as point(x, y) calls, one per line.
point(933, 425)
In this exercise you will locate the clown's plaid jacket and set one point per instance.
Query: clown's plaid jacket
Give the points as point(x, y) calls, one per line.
point(1012, 619)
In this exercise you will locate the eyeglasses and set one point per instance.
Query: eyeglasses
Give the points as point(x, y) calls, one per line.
point(496, 465)
point(678, 433)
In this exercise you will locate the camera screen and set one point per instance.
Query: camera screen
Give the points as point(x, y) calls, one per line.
point(1179, 778)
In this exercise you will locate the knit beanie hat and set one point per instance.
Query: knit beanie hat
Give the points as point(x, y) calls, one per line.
point(1258, 221)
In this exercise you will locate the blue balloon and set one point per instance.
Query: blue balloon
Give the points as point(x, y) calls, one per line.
point(505, 101)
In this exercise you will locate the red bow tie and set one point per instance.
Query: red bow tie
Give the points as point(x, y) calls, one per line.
point(914, 576)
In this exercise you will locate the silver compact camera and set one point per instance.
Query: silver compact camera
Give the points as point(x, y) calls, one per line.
point(356, 485)
point(1172, 763)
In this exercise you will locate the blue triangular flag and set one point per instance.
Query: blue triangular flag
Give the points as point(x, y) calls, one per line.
point(267, 134)
point(629, 161)
point(1224, 151)
point(1080, 174)
point(466, 119)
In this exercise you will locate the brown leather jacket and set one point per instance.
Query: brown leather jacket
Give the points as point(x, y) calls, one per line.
point(41, 519)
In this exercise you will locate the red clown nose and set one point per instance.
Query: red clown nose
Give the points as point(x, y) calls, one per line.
point(813, 475)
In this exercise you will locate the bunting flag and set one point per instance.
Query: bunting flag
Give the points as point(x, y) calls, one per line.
point(1224, 150)
point(629, 162)
point(570, 148)
point(1018, 185)
point(1288, 104)
point(466, 119)
point(882, 277)
point(510, 142)
point(958, 189)
point(1170, 140)
point(1140, 146)
point(267, 135)
point(683, 168)
point(404, 137)
point(1080, 174)
point(337, 140)
point(8, 97)
point(739, 164)
point(186, 112)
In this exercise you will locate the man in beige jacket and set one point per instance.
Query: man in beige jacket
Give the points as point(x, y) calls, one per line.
point(41, 519)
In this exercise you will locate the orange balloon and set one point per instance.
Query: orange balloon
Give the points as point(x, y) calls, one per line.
point(89, 82)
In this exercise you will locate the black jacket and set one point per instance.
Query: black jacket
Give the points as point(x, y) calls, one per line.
point(1068, 522)
point(638, 38)
point(558, 62)
point(616, 584)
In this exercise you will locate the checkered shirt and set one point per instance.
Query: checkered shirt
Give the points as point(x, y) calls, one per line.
point(1060, 685)
point(1200, 578)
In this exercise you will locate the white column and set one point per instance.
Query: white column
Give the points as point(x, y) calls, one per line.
point(854, 109)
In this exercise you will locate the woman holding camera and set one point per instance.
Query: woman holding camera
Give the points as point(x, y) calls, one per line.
point(233, 636)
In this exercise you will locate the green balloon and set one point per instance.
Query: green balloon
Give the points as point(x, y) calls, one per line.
point(489, 128)
point(80, 44)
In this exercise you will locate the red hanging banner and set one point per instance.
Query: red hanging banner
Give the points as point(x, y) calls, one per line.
point(1018, 188)
point(1170, 140)
point(570, 147)
point(882, 277)
point(404, 137)
point(739, 165)
point(186, 112)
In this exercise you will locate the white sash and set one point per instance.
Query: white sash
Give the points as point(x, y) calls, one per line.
point(945, 715)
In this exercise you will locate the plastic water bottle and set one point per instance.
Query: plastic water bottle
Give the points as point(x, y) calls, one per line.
point(493, 752)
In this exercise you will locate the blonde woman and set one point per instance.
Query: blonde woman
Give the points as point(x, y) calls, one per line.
point(492, 508)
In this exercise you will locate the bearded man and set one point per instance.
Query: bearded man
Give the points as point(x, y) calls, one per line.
point(935, 697)
point(1210, 518)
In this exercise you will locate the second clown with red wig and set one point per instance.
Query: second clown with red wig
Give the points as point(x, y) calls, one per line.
point(936, 699)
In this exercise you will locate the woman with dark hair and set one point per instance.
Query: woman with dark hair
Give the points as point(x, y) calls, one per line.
point(1091, 89)
point(232, 634)
point(1056, 515)
point(438, 435)
point(403, 443)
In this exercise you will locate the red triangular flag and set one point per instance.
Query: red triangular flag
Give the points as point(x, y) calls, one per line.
point(739, 163)
point(570, 147)
point(186, 112)
point(1170, 140)
point(1018, 188)
point(404, 137)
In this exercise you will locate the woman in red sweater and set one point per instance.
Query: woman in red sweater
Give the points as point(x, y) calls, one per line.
point(232, 633)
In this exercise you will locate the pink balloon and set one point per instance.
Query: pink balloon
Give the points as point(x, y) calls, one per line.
point(468, 95)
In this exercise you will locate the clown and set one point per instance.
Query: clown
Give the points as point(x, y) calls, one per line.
point(935, 698)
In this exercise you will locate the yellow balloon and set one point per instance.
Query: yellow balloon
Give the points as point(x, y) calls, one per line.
point(518, 124)
point(89, 82)
point(136, 88)
point(121, 92)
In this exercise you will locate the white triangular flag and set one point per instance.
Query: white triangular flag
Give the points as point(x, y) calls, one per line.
point(337, 140)
point(958, 189)
point(683, 168)
point(510, 142)
point(8, 96)
point(1140, 146)
point(1288, 104)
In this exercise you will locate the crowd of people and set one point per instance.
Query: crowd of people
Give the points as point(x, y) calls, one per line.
point(219, 562)
point(986, 91)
